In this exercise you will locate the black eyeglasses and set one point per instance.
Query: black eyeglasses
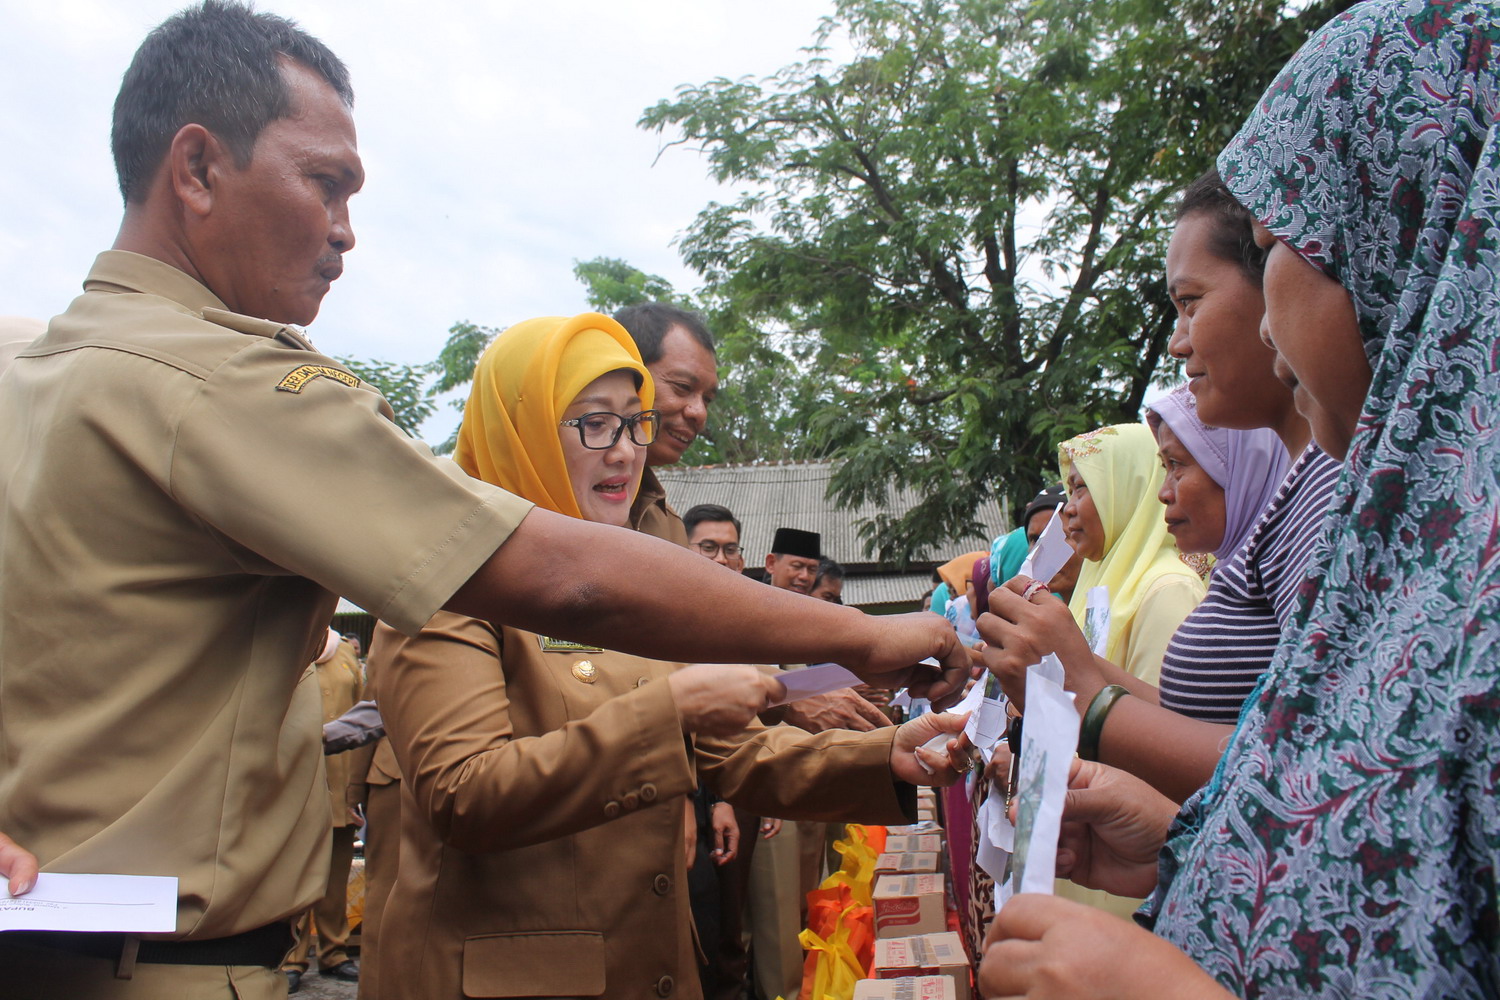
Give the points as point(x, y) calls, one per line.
point(600, 431)
point(712, 549)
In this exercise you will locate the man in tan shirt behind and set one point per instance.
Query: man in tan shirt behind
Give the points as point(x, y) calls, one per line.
point(165, 577)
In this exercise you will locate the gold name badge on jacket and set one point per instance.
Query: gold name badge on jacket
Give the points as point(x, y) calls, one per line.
point(584, 670)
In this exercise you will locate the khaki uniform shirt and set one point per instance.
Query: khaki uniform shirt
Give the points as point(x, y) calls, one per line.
point(167, 573)
point(652, 514)
point(340, 685)
point(541, 847)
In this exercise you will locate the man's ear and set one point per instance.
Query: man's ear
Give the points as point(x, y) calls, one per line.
point(770, 561)
point(195, 163)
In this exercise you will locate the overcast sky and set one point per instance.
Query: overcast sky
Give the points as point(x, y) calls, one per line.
point(499, 141)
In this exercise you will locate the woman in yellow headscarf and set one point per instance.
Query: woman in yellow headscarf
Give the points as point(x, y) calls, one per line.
point(542, 831)
point(1114, 520)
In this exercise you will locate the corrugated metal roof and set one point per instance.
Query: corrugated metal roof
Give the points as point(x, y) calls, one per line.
point(866, 589)
point(795, 495)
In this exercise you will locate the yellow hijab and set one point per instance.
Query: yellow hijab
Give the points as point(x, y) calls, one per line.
point(1120, 467)
point(522, 384)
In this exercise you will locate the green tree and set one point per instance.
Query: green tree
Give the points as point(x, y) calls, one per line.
point(962, 225)
point(403, 386)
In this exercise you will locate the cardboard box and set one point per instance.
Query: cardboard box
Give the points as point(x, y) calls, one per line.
point(924, 955)
point(929, 843)
point(913, 829)
point(910, 988)
point(905, 862)
point(909, 904)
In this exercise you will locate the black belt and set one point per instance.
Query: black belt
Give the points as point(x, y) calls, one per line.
point(266, 946)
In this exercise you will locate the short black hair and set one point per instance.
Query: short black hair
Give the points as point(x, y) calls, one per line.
point(829, 569)
point(216, 64)
point(1233, 237)
point(649, 322)
point(710, 512)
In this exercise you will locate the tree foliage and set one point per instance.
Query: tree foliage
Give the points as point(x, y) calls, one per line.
point(954, 238)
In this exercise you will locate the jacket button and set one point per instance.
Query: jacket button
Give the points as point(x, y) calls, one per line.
point(641, 681)
point(664, 986)
point(611, 810)
point(662, 885)
point(648, 792)
point(631, 800)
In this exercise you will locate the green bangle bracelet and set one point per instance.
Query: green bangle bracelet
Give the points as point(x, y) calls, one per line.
point(1093, 720)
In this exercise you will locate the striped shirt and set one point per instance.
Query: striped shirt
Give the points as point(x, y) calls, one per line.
point(1222, 648)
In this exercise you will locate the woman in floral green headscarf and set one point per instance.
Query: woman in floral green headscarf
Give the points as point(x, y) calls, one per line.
point(1349, 844)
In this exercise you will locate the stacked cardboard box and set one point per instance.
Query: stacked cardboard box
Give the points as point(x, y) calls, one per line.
point(924, 955)
point(911, 988)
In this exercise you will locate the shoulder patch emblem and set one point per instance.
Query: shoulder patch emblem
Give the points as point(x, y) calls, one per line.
point(299, 377)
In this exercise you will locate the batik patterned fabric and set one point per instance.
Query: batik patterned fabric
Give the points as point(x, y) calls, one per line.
point(1347, 847)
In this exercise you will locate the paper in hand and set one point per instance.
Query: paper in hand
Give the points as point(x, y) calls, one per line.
point(135, 904)
point(1048, 742)
point(1050, 553)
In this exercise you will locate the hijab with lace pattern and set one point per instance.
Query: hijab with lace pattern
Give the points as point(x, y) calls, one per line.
point(1119, 466)
point(522, 384)
point(1248, 465)
point(1347, 844)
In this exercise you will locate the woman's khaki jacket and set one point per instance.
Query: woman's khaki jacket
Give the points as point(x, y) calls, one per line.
point(542, 813)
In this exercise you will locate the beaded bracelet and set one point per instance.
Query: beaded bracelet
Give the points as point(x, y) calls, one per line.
point(1093, 720)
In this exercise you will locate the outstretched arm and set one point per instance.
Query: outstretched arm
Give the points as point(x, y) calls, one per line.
point(1176, 754)
point(625, 590)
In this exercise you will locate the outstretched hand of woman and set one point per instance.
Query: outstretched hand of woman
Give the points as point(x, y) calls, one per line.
point(1113, 828)
point(1047, 948)
point(1018, 631)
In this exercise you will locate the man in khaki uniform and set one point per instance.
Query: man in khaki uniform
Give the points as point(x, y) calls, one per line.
point(165, 577)
point(679, 352)
point(340, 685)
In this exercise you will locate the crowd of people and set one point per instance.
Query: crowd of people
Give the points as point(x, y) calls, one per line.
point(1279, 621)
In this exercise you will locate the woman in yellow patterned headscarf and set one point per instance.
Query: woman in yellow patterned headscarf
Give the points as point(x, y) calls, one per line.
point(1115, 521)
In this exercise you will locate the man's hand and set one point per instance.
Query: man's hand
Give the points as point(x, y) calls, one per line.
point(1114, 825)
point(1046, 948)
point(842, 709)
point(943, 767)
point(726, 833)
point(18, 865)
point(1018, 632)
point(898, 642)
point(769, 827)
point(720, 700)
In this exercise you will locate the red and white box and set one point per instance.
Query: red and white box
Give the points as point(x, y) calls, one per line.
point(909, 904)
point(926, 843)
point(910, 988)
point(924, 955)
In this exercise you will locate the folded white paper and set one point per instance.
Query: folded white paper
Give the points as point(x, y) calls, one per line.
point(820, 678)
point(1048, 742)
point(1050, 553)
point(137, 904)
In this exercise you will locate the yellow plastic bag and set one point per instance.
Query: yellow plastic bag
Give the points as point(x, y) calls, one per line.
point(831, 968)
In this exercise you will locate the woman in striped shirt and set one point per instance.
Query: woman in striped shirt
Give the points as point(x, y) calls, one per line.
point(1173, 737)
